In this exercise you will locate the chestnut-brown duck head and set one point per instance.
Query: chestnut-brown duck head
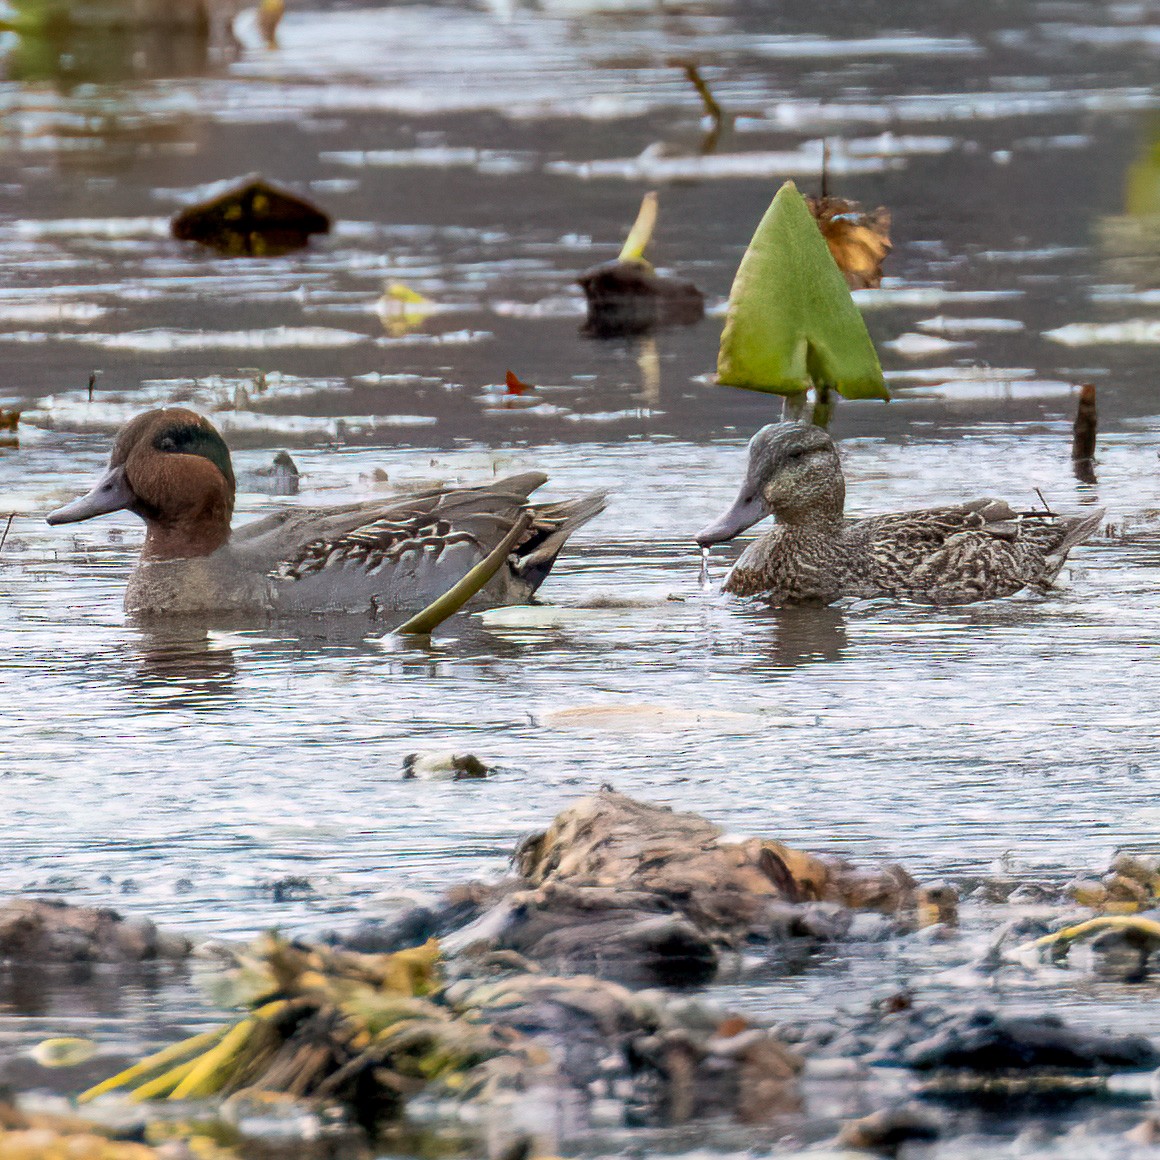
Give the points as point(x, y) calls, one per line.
point(172, 468)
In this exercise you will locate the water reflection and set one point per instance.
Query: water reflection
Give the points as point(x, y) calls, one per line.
point(187, 671)
point(806, 636)
point(77, 56)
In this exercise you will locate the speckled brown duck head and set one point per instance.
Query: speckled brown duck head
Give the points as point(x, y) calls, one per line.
point(794, 475)
point(172, 468)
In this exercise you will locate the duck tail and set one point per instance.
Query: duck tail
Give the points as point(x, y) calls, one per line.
point(1078, 530)
point(554, 523)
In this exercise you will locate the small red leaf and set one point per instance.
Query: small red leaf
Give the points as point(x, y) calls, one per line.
point(515, 386)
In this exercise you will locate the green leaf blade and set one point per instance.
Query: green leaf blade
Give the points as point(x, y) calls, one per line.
point(792, 323)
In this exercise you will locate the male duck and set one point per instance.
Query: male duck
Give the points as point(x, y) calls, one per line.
point(172, 468)
point(948, 555)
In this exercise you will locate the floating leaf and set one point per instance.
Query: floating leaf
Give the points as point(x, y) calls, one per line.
point(791, 322)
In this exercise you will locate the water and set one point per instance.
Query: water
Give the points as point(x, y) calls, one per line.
point(484, 156)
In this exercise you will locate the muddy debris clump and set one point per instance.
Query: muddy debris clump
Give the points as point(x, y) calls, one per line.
point(629, 298)
point(48, 931)
point(251, 217)
point(1131, 883)
point(987, 1042)
point(969, 1055)
point(640, 893)
point(888, 1130)
point(434, 765)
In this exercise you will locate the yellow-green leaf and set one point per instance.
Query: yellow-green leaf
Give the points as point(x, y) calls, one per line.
point(791, 322)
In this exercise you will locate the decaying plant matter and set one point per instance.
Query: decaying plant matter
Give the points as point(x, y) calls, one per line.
point(362, 1029)
point(859, 240)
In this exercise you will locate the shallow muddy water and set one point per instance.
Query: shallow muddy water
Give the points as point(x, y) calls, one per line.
point(226, 782)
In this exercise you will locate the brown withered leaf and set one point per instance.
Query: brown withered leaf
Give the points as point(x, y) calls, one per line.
point(858, 240)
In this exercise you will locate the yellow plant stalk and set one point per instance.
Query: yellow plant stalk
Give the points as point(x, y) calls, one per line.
point(412, 971)
point(159, 1087)
point(164, 1058)
point(1069, 934)
point(209, 1072)
point(642, 230)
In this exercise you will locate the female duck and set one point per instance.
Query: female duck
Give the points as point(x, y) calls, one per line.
point(172, 468)
point(949, 555)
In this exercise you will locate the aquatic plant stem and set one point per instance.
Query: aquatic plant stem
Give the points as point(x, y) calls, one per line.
point(458, 595)
point(162, 1059)
point(1083, 439)
point(642, 230)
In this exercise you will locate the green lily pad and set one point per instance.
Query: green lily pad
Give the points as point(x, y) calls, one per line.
point(791, 323)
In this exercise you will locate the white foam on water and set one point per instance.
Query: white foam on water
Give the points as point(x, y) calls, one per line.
point(653, 165)
point(630, 413)
point(805, 47)
point(950, 107)
point(431, 157)
point(34, 312)
point(554, 307)
point(129, 227)
point(1144, 331)
point(1043, 254)
point(976, 390)
point(926, 296)
point(1133, 297)
point(163, 339)
point(449, 338)
point(922, 345)
point(944, 325)
point(892, 145)
point(105, 416)
point(964, 374)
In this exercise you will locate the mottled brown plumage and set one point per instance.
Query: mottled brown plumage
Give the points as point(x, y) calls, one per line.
point(949, 555)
